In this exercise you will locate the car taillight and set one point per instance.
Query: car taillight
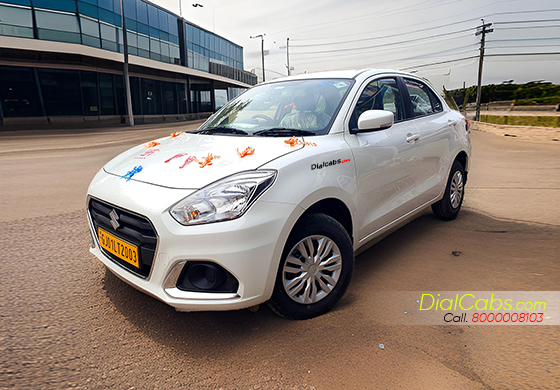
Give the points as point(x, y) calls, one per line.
point(468, 125)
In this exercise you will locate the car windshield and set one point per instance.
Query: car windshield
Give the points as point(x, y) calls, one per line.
point(296, 107)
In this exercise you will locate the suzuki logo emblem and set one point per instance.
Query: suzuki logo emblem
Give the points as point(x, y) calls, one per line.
point(114, 219)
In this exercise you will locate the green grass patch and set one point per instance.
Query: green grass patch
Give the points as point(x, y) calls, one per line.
point(544, 121)
point(551, 100)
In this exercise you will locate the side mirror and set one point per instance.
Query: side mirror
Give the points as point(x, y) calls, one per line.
point(372, 120)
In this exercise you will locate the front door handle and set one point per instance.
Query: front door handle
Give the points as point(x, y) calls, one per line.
point(412, 137)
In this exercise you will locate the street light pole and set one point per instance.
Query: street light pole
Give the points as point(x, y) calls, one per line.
point(288, 55)
point(125, 71)
point(261, 36)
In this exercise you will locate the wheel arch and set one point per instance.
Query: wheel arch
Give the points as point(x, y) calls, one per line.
point(464, 160)
point(334, 208)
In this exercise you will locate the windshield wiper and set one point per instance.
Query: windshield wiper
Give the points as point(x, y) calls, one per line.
point(282, 132)
point(221, 130)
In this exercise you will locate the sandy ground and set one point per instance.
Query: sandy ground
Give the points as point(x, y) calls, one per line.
point(548, 135)
point(518, 113)
point(67, 323)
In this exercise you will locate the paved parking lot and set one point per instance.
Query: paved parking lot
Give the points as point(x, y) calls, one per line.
point(67, 323)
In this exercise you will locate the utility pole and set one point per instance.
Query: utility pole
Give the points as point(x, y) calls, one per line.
point(482, 30)
point(261, 36)
point(125, 71)
point(288, 55)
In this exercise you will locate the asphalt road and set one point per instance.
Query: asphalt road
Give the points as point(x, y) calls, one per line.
point(67, 323)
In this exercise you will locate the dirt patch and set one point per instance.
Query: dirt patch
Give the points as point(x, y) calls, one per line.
point(549, 135)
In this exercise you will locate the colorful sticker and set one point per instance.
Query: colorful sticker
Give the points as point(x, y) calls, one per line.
point(188, 161)
point(206, 160)
point(294, 141)
point(247, 152)
point(175, 134)
point(147, 153)
point(152, 144)
point(176, 156)
point(131, 173)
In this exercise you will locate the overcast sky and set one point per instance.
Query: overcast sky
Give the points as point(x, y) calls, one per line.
point(410, 35)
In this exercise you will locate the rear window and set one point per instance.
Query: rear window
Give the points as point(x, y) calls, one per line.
point(423, 100)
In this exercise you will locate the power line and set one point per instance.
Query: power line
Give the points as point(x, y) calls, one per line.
point(380, 45)
point(525, 39)
point(473, 57)
point(329, 24)
point(407, 58)
point(528, 21)
point(522, 54)
point(518, 46)
point(401, 46)
point(527, 27)
point(440, 26)
point(469, 51)
point(441, 62)
point(383, 37)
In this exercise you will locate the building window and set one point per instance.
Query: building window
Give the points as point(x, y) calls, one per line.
point(169, 98)
point(119, 94)
point(107, 94)
point(16, 21)
point(61, 92)
point(182, 96)
point(58, 26)
point(136, 95)
point(88, 81)
point(19, 96)
point(151, 102)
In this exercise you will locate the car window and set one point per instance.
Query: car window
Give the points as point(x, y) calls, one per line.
point(380, 94)
point(422, 99)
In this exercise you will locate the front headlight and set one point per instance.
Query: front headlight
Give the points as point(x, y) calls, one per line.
point(223, 200)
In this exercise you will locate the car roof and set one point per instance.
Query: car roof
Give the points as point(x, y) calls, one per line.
point(341, 74)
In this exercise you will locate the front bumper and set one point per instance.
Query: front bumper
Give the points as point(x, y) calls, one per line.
point(248, 247)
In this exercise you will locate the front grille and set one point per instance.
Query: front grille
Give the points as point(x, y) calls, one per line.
point(135, 229)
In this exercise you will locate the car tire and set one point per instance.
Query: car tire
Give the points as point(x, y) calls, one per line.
point(310, 282)
point(449, 206)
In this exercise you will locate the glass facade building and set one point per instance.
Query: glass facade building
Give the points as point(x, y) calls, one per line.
point(207, 66)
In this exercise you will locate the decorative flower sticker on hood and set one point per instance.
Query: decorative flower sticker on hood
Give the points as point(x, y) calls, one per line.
point(147, 153)
point(152, 144)
point(247, 152)
point(132, 172)
point(173, 135)
point(187, 161)
point(206, 160)
point(294, 141)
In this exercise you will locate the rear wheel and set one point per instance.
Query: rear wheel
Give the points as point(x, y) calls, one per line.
point(449, 206)
point(315, 269)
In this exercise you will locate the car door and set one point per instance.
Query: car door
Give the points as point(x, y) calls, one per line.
point(434, 122)
point(386, 160)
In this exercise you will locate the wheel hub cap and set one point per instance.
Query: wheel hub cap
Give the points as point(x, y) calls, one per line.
point(312, 269)
point(456, 193)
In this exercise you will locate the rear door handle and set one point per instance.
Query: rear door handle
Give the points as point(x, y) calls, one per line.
point(412, 137)
point(452, 122)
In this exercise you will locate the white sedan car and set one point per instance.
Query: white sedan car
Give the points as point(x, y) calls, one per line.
point(273, 195)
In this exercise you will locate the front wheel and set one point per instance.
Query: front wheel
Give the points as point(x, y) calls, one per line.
point(448, 207)
point(315, 270)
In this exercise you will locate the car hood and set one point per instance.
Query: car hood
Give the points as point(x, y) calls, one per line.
point(192, 161)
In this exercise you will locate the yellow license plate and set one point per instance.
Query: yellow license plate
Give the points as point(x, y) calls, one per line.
point(123, 250)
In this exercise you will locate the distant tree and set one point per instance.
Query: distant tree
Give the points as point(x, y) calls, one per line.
point(507, 90)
